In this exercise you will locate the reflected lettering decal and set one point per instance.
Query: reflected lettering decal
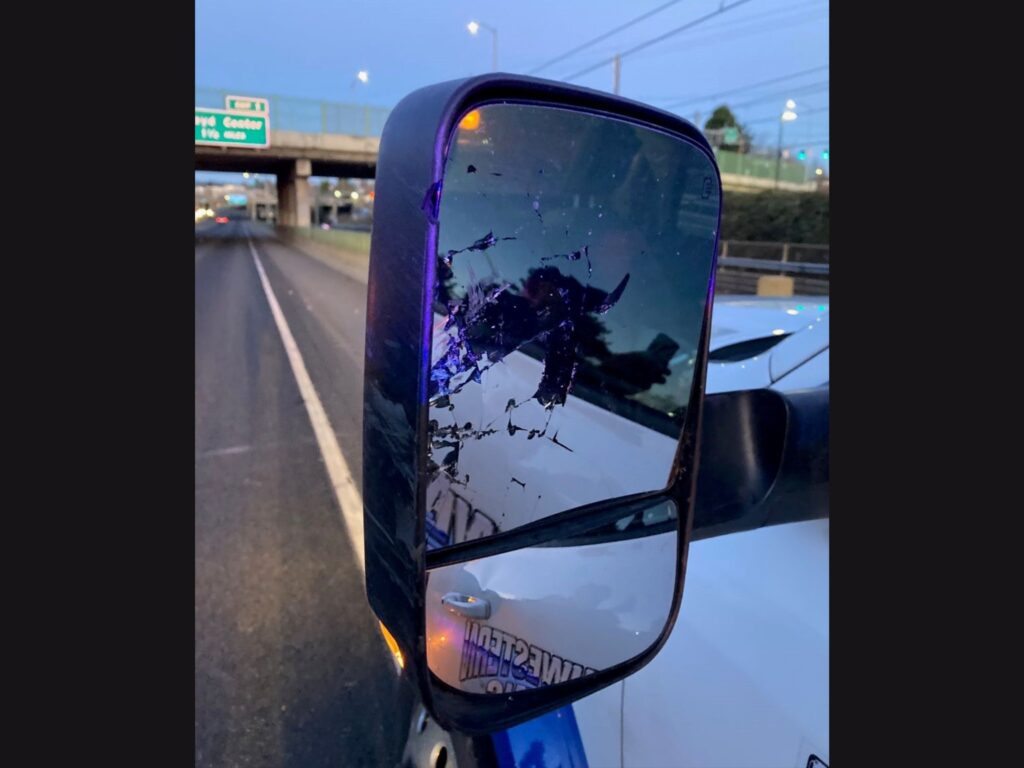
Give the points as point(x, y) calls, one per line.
point(509, 663)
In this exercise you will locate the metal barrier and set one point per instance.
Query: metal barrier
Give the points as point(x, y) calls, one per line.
point(781, 267)
point(785, 252)
point(742, 264)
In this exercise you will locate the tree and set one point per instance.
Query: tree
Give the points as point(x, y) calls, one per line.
point(717, 128)
point(722, 117)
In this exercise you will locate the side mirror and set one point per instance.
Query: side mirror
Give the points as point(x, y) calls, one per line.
point(538, 314)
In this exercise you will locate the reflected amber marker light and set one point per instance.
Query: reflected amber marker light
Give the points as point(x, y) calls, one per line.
point(471, 121)
point(392, 645)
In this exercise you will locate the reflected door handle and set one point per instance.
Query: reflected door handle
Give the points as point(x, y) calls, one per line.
point(466, 605)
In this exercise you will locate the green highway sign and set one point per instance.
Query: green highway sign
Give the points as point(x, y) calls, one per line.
point(247, 104)
point(232, 128)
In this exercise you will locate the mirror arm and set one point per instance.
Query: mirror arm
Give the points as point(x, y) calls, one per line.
point(764, 460)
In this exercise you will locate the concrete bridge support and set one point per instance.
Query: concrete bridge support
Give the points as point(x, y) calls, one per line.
point(293, 194)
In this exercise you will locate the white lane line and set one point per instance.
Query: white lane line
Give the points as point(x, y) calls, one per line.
point(345, 491)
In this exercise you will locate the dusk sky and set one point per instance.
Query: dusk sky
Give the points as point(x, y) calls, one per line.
point(310, 49)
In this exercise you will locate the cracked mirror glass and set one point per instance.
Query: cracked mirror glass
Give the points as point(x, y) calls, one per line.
point(573, 262)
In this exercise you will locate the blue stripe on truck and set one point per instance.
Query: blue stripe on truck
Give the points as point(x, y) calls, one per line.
point(547, 741)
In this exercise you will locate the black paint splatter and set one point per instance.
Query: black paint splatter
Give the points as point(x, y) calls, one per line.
point(481, 244)
point(552, 310)
point(582, 253)
point(613, 297)
point(554, 440)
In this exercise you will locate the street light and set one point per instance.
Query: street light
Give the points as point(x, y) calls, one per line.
point(474, 27)
point(788, 116)
point(362, 76)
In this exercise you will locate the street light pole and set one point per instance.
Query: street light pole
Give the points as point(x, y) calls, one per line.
point(778, 155)
point(787, 116)
point(474, 27)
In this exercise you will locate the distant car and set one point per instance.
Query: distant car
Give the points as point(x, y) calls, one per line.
point(222, 219)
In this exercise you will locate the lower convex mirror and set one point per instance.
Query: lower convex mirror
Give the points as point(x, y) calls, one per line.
point(537, 320)
point(547, 614)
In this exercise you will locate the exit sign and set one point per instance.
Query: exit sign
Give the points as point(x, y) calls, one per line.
point(232, 128)
point(247, 104)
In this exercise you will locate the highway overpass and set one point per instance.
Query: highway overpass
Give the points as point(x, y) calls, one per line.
point(320, 138)
point(293, 157)
point(307, 138)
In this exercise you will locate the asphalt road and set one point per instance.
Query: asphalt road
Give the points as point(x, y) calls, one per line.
point(290, 669)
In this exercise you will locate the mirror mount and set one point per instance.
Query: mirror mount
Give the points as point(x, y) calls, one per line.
point(765, 460)
point(399, 324)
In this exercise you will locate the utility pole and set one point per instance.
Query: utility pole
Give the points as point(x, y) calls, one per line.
point(616, 73)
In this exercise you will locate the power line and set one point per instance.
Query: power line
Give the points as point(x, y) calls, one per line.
point(605, 36)
point(773, 118)
point(658, 39)
point(821, 85)
point(769, 14)
point(740, 27)
point(745, 87)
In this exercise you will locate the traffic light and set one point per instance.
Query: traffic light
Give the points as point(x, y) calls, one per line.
point(802, 155)
point(824, 155)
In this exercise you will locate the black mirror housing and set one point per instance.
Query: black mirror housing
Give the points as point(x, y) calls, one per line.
point(399, 319)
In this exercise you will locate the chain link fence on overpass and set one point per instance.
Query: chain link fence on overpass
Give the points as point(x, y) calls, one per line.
point(761, 166)
point(308, 115)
